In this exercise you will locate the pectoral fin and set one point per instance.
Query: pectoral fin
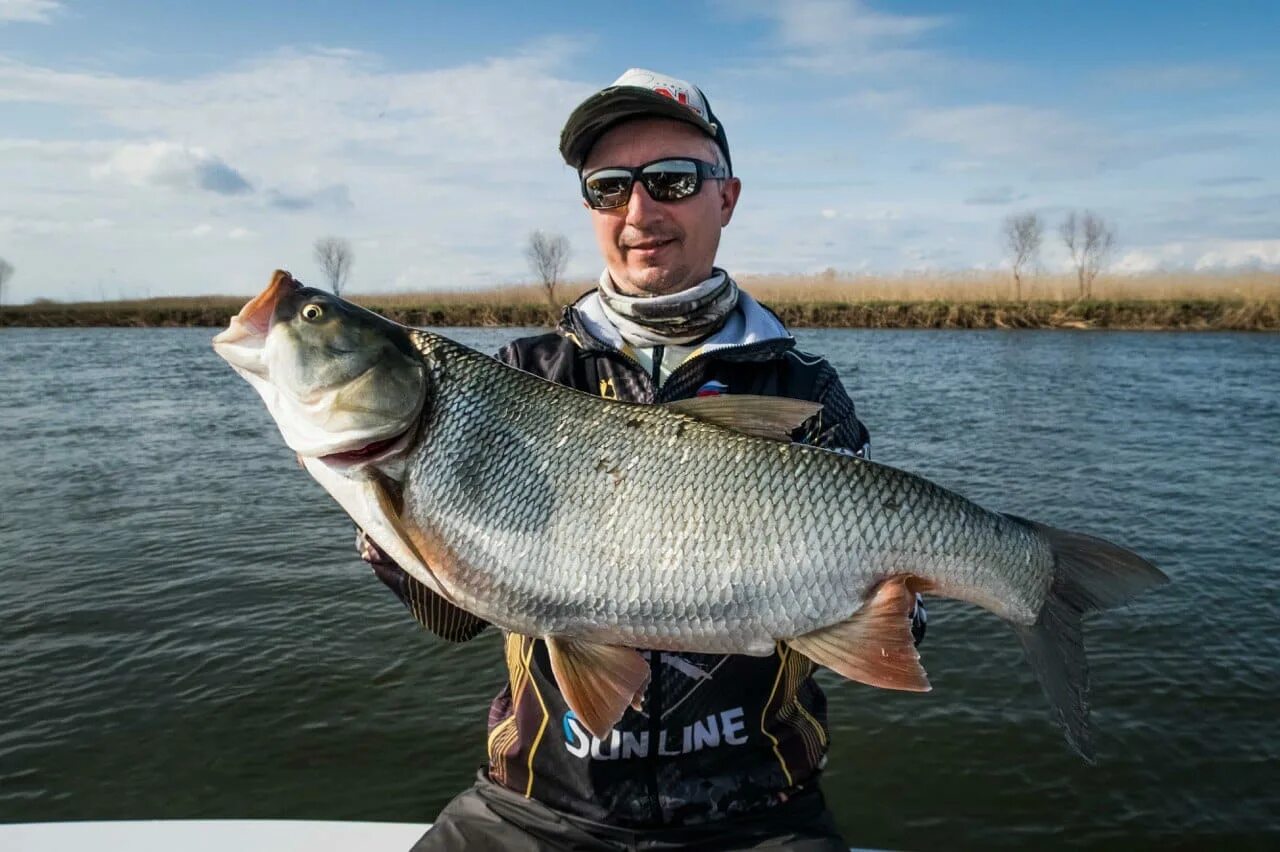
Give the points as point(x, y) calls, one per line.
point(389, 500)
point(598, 681)
point(771, 417)
point(875, 646)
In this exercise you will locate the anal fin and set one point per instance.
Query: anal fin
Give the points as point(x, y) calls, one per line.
point(875, 645)
point(598, 681)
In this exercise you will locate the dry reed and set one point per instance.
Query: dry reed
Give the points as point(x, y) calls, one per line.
point(1236, 301)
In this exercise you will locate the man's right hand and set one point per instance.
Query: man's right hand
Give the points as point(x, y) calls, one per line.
point(383, 565)
point(369, 551)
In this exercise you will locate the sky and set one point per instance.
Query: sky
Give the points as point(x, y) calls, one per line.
point(152, 149)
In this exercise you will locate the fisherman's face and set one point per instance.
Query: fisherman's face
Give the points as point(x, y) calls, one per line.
point(651, 247)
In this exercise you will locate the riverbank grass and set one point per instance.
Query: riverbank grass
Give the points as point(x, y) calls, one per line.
point(1189, 301)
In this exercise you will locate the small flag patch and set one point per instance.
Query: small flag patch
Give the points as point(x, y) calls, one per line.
point(712, 388)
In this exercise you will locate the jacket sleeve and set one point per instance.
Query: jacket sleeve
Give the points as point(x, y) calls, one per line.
point(428, 609)
point(836, 426)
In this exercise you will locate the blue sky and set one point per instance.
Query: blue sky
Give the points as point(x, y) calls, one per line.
point(157, 148)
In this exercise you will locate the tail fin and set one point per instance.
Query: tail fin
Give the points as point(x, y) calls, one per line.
point(1089, 574)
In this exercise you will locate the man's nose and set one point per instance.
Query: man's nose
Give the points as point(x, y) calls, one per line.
point(641, 207)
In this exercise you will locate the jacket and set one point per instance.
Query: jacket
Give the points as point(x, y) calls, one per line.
point(718, 735)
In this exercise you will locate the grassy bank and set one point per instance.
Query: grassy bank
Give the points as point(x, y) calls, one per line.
point(1243, 302)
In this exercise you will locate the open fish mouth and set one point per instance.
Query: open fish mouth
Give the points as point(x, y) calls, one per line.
point(244, 339)
point(372, 453)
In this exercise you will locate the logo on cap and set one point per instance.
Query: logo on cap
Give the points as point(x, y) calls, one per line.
point(680, 91)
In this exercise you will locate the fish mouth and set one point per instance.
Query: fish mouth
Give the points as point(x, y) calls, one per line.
point(372, 453)
point(241, 343)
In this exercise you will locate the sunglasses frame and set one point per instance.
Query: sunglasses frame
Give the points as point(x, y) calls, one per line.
point(703, 171)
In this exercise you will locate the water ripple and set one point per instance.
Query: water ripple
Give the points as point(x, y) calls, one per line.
point(187, 632)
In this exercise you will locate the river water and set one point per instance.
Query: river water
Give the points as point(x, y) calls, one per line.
point(185, 630)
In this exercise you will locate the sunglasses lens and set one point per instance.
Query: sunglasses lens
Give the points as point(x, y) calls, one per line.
point(671, 180)
point(608, 188)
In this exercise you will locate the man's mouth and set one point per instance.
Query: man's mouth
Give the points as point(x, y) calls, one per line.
point(649, 245)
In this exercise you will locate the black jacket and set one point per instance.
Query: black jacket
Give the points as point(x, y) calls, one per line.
point(719, 735)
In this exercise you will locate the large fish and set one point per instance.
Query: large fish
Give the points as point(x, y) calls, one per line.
point(605, 526)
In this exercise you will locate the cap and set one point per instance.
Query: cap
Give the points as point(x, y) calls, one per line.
point(636, 94)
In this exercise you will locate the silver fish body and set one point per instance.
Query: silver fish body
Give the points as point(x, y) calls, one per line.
point(635, 525)
point(603, 526)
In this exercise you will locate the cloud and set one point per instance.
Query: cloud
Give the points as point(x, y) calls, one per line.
point(1176, 78)
point(847, 36)
point(1049, 142)
point(175, 166)
point(286, 144)
point(30, 11)
point(1229, 180)
point(336, 197)
point(1201, 256)
point(1241, 254)
point(995, 195)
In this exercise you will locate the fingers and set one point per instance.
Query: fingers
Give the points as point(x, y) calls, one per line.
point(369, 550)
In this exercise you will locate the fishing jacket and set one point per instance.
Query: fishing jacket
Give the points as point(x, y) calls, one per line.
point(718, 735)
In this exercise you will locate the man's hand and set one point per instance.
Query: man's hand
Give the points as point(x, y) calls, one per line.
point(383, 566)
point(369, 551)
point(919, 620)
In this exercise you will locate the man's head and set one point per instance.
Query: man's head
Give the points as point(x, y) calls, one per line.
point(654, 247)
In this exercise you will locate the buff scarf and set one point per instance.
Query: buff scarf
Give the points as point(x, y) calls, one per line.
point(674, 319)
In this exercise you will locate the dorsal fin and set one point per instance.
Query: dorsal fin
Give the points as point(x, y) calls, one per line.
point(771, 417)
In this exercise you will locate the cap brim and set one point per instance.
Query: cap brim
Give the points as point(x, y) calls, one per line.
point(610, 106)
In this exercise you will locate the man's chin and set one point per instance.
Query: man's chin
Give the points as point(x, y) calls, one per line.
point(655, 281)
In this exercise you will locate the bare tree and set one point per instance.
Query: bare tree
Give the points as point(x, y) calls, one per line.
point(335, 257)
point(548, 255)
point(6, 272)
point(1023, 233)
point(1090, 239)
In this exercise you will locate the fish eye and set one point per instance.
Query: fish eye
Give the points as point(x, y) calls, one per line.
point(312, 312)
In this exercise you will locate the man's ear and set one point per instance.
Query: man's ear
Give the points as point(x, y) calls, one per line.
point(730, 189)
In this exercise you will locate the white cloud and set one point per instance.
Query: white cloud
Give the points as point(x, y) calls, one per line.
point(1249, 254)
point(457, 164)
point(1139, 261)
point(1007, 133)
point(29, 11)
point(175, 166)
point(1177, 78)
point(847, 36)
point(994, 195)
point(1200, 255)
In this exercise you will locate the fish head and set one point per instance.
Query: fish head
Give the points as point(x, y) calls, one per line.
point(345, 385)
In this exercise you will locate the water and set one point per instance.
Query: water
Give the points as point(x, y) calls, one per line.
point(186, 631)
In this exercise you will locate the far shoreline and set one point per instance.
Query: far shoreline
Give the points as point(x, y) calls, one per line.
point(1098, 314)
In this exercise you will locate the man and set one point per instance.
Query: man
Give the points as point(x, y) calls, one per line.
point(726, 751)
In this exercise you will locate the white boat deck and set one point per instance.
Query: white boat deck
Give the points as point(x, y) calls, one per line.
point(211, 835)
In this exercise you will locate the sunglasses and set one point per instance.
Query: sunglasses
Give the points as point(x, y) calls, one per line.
point(672, 179)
